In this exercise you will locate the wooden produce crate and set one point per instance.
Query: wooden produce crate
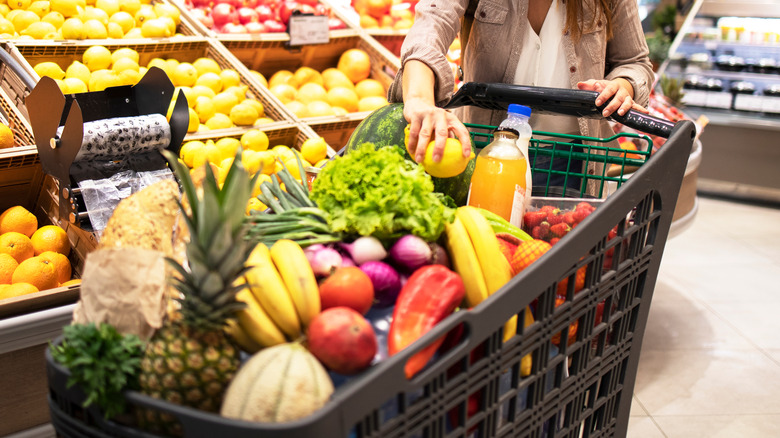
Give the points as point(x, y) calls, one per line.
point(336, 130)
point(10, 115)
point(12, 70)
point(184, 51)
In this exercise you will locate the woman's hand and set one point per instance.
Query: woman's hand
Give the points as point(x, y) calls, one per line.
point(429, 123)
point(619, 90)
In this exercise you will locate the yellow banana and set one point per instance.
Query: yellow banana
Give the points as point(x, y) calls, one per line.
point(465, 261)
point(267, 286)
point(495, 267)
point(241, 337)
point(255, 322)
point(298, 277)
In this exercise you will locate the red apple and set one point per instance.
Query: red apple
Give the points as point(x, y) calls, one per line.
point(335, 24)
point(250, 3)
point(320, 9)
point(342, 340)
point(247, 15)
point(286, 9)
point(234, 3)
point(201, 3)
point(349, 287)
point(224, 13)
point(264, 13)
point(311, 3)
point(233, 28)
point(274, 26)
point(254, 28)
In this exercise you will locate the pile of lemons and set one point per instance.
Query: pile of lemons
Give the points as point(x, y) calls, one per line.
point(216, 97)
point(257, 155)
point(87, 19)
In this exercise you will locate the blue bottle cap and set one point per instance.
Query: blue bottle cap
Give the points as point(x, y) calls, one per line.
point(519, 109)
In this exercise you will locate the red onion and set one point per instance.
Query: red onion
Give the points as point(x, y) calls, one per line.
point(411, 252)
point(323, 260)
point(386, 282)
point(440, 256)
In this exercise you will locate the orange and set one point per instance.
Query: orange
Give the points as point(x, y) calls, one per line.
point(280, 77)
point(370, 87)
point(6, 137)
point(61, 265)
point(318, 108)
point(356, 64)
point(19, 219)
point(378, 8)
point(284, 92)
point(15, 290)
point(304, 75)
point(50, 238)
point(371, 103)
point(310, 91)
point(333, 77)
point(17, 245)
point(38, 272)
point(8, 265)
point(344, 98)
point(73, 282)
point(368, 22)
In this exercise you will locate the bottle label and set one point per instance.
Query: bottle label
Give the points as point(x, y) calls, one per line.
point(518, 206)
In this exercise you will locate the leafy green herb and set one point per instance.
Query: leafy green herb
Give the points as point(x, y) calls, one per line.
point(377, 192)
point(102, 362)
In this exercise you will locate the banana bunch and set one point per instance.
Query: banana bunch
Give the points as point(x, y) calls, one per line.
point(477, 257)
point(282, 296)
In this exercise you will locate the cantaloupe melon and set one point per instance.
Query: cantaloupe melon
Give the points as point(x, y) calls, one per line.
point(278, 384)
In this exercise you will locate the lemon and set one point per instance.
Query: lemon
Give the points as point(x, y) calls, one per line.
point(314, 149)
point(321, 163)
point(263, 121)
point(257, 105)
point(111, 7)
point(210, 80)
point(75, 85)
point(255, 140)
point(170, 25)
point(23, 19)
point(125, 20)
point(142, 71)
point(229, 78)
point(50, 69)
point(238, 90)
point(115, 31)
point(452, 161)
point(19, 4)
point(6, 27)
point(143, 14)
point(243, 114)
point(92, 13)
point(54, 18)
point(39, 30)
point(297, 108)
point(170, 66)
point(159, 63)
point(125, 52)
point(228, 146)
point(219, 121)
point(72, 29)
point(292, 166)
point(68, 8)
point(226, 162)
point(166, 10)
point(78, 70)
point(267, 162)
point(97, 58)
point(224, 102)
point(100, 81)
point(253, 162)
point(259, 76)
point(129, 77)
point(194, 121)
point(202, 90)
point(40, 7)
point(283, 152)
point(254, 204)
point(155, 28)
point(205, 108)
point(187, 150)
point(184, 75)
point(123, 64)
point(207, 65)
point(134, 34)
point(94, 29)
point(130, 6)
point(207, 154)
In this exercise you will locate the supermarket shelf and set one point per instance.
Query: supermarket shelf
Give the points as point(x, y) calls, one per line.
point(736, 120)
point(741, 8)
point(739, 192)
point(33, 328)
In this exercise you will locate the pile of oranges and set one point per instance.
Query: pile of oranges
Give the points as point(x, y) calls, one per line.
point(32, 259)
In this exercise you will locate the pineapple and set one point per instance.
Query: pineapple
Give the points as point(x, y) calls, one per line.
point(190, 361)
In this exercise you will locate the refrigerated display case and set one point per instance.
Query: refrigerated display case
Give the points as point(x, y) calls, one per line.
point(727, 53)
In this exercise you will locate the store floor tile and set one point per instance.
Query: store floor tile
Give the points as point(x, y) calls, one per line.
point(711, 355)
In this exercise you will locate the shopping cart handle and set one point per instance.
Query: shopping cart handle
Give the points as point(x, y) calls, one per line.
point(546, 100)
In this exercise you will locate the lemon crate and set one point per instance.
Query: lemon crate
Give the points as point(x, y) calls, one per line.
point(476, 386)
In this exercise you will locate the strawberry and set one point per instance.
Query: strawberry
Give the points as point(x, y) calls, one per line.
point(528, 252)
point(540, 231)
point(568, 218)
point(584, 206)
point(554, 216)
point(548, 208)
point(580, 214)
point(533, 218)
point(559, 229)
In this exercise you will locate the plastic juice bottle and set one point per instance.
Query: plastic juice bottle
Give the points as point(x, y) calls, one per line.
point(517, 118)
point(498, 183)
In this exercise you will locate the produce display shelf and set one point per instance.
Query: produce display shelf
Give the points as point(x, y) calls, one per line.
point(14, 119)
point(392, 39)
point(336, 130)
point(284, 37)
point(183, 51)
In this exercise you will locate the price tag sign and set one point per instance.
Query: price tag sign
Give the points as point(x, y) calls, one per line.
point(694, 97)
point(747, 102)
point(308, 29)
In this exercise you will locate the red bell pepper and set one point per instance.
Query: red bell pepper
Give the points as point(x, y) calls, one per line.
point(430, 294)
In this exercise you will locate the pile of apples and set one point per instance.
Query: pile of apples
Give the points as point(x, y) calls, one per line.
point(385, 14)
point(256, 16)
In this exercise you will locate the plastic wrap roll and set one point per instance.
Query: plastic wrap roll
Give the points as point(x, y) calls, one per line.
point(119, 137)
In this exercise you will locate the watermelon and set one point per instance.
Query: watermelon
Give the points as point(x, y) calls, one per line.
point(385, 127)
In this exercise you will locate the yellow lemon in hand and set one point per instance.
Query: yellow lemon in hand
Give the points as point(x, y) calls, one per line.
point(452, 161)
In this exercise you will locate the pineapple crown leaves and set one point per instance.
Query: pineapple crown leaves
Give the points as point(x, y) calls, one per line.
point(217, 248)
point(102, 362)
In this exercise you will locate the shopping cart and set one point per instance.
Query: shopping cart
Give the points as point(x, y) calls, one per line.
point(477, 387)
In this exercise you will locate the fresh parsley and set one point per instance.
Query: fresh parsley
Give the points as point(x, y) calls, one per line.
point(102, 362)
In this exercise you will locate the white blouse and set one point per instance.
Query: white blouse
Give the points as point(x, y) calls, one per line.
point(543, 63)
